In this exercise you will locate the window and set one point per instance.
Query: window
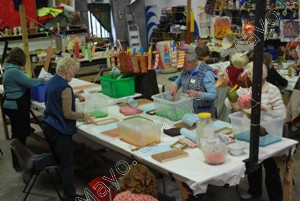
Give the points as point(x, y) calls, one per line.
point(95, 28)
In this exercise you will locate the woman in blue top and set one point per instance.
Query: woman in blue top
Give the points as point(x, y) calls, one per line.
point(17, 99)
point(59, 120)
point(197, 80)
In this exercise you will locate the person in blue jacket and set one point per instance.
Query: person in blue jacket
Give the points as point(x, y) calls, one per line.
point(17, 98)
point(197, 79)
point(59, 120)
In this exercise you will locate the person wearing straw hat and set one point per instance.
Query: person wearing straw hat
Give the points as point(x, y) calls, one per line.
point(237, 62)
point(197, 79)
point(230, 46)
point(271, 101)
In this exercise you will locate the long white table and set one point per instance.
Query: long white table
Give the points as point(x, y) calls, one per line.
point(40, 106)
point(291, 80)
point(191, 170)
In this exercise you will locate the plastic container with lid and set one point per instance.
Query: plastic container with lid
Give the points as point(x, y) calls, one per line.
point(140, 132)
point(205, 129)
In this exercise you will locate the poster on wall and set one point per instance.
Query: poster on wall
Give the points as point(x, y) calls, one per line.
point(289, 30)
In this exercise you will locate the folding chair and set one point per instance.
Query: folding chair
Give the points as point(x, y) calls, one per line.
point(24, 156)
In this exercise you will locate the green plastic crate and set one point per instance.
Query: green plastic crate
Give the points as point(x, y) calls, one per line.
point(117, 88)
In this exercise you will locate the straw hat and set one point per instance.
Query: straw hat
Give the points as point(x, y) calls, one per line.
point(227, 41)
point(222, 81)
point(239, 60)
point(249, 69)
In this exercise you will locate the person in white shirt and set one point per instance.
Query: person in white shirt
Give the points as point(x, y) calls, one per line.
point(271, 101)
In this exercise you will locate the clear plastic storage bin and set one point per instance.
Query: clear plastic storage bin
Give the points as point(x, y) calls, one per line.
point(172, 109)
point(273, 123)
point(95, 104)
point(140, 132)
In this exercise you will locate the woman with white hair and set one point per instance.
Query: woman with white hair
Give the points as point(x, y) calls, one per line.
point(271, 101)
point(59, 120)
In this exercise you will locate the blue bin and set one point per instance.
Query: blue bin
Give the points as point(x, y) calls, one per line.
point(271, 52)
point(38, 93)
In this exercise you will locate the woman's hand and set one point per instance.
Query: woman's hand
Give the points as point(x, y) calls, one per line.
point(80, 97)
point(46, 79)
point(236, 106)
point(174, 90)
point(283, 49)
point(265, 109)
point(193, 93)
point(87, 118)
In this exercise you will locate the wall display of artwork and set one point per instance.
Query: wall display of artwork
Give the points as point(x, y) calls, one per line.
point(289, 30)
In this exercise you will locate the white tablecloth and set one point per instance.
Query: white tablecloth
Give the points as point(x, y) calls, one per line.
point(291, 80)
point(192, 169)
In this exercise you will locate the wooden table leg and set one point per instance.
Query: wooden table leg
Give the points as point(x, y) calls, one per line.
point(186, 192)
point(286, 166)
point(182, 189)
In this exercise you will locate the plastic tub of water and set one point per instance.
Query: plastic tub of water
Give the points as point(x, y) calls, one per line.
point(95, 104)
point(174, 110)
point(273, 123)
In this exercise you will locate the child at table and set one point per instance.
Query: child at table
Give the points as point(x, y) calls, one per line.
point(139, 184)
point(271, 101)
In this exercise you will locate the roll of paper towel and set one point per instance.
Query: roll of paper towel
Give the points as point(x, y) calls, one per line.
point(189, 134)
point(190, 119)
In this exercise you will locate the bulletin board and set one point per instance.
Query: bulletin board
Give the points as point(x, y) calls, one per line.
point(11, 17)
